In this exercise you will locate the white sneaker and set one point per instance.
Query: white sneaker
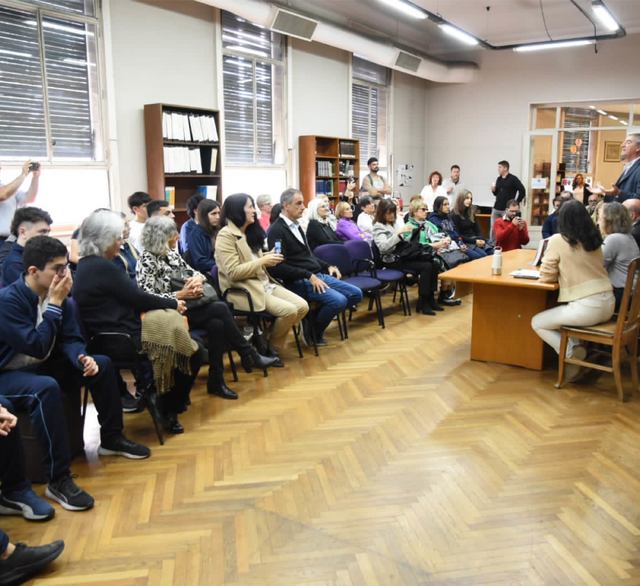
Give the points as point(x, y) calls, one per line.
point(573, 371)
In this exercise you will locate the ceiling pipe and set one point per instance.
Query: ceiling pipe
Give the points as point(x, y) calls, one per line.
point(263, 13)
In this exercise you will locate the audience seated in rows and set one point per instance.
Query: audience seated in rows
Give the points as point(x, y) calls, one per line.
point(319, 231)
point(619, 247)
point(347, 229)
point(201, 241)
point(264, 208)
point(304, 273)
point(26, 223)
point(367, 214)
point(242, 264)
point(159, 207)
point(190, 224)
point(42, 351)
point(633, 207)
point(158, 265)
point(109, 301)
point(127, 256)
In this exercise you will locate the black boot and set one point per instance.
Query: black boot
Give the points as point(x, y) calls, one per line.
point(217, 386)
point(250, 359)
point(433, 304)
point(171, 424)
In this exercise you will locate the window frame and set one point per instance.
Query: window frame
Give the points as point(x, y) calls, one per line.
point(279, 118)
point(101, 152)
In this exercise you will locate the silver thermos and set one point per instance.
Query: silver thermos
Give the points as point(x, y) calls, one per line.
point(496, 264)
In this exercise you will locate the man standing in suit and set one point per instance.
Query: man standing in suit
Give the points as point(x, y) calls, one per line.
point(628, 184)
point(304, 273)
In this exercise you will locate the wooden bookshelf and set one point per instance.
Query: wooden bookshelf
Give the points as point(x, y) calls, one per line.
point(541, 199)
point(326, 163)
point(162, 173)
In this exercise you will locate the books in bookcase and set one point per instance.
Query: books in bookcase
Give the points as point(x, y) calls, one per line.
point(324, 187)
point(170, 195)
point(207, 191)
point(180, 159)
point(189, 127)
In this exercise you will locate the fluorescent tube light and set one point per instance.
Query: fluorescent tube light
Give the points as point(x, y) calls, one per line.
point(602, 112)
point(623, 122)
point(604, 16)
point(613, 117)
point(456, 33)
point(553, 45)
point(406, 8)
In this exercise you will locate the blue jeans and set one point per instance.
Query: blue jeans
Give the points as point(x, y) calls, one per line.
point(333, 301)
point(474, 253)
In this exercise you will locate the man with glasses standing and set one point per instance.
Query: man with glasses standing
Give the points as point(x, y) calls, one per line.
point(42, 354)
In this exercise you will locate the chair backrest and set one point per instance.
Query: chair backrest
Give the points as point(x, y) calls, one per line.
point(336, 255)
point(629, 314)
point(377, 257)
point(358, 249)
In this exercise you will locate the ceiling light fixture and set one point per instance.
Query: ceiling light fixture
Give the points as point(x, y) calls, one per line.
point(553, 45)
point(456, 33)
point(604, 16)
point(613, 117)
point(601, 112)
point(406, 8)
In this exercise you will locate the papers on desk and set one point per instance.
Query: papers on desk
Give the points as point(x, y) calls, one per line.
point(525, 274)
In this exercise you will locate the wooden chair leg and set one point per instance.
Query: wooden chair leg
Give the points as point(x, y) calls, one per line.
point(617, 373)
point(633, 361)
point(561, 357)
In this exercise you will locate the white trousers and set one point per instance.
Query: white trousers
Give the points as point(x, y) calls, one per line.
point(587, 311)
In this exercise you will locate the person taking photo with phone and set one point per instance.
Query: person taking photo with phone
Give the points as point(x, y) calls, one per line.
point(12, 197)
point(511, 230)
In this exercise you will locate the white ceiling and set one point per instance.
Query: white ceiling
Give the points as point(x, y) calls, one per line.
point(506, 22)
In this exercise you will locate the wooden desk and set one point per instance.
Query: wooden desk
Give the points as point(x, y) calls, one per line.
point(502, 310)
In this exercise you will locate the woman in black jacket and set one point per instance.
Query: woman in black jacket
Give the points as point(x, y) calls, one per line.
point(464, 219)
point(319, 231)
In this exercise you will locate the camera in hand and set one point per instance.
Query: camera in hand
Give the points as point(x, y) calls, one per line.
point(34, 166)
point(518, 214)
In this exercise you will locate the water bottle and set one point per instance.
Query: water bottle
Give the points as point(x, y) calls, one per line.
point(496, 264)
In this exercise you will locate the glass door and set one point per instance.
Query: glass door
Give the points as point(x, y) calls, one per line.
point(545, 175)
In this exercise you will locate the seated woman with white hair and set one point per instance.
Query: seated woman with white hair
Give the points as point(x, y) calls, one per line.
point(109, 301)
point(319, 230)
point(158, 265)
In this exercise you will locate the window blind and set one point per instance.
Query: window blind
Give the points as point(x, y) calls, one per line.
point(251, 69)
point(68, 58)
point(364, 116)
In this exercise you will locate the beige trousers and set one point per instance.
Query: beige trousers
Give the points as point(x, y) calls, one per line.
point(289, 310)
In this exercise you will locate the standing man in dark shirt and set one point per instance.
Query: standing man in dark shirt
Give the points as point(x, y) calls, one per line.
point(505, 188)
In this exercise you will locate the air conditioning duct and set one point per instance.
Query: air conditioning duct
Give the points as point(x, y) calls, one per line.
point(265, 14)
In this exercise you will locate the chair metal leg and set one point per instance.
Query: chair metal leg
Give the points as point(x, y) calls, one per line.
point(296, 337)
point(312, 332)
point(378, 302)
point(232, 364)
point(344, 325)
point(85, 401)
point(150, 403)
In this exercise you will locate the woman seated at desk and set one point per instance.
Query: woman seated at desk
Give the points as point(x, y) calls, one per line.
point(574, 260)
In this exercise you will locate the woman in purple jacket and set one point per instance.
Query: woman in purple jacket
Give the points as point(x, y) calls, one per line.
point(347, 229)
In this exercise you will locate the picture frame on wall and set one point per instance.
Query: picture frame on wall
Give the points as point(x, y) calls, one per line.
point(612, 151)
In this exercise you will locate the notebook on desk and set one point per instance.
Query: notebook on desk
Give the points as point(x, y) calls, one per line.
point(525, 274)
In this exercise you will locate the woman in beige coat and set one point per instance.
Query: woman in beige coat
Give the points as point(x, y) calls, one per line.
point(242, 264)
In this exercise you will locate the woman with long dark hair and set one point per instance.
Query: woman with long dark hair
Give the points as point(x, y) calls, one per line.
point(201, 239)
point(580, 189)
point(391, 241)
point(441, 218)
point(464, 220)
point(574, 259)
point(241, 264)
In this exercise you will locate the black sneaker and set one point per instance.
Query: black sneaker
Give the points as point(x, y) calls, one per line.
point(27, 561)
point(121, 446)
point(66, 492)
point(130, 404)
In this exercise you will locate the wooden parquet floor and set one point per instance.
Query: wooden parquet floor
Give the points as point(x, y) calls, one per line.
point(390, 460)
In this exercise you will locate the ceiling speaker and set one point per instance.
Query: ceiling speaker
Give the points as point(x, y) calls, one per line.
point(408, 61)
point(294, 25)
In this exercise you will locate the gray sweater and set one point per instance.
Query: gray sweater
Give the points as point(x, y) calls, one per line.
point(619, 250)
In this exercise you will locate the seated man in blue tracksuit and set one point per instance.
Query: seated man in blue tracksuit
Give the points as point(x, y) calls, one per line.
point(42, 352)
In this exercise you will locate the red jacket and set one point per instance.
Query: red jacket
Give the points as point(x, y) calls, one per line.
point(508, 236)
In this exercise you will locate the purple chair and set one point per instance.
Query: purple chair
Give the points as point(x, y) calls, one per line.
point(362, 255)
point(338, 255)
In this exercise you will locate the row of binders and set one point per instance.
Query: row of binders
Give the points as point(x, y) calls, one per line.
point(188, 160)
point(324, 168)
point(189, 127)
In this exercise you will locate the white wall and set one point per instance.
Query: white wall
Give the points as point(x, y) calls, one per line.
point(480, 123)
point(408, 128)
point(161, 52)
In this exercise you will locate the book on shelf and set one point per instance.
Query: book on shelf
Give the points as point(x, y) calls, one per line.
point(170, 195)
point(189, 127)
point(347, 149)
point(207, 191)
point(182, 160)
point(324, 168)
point(324, 187)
